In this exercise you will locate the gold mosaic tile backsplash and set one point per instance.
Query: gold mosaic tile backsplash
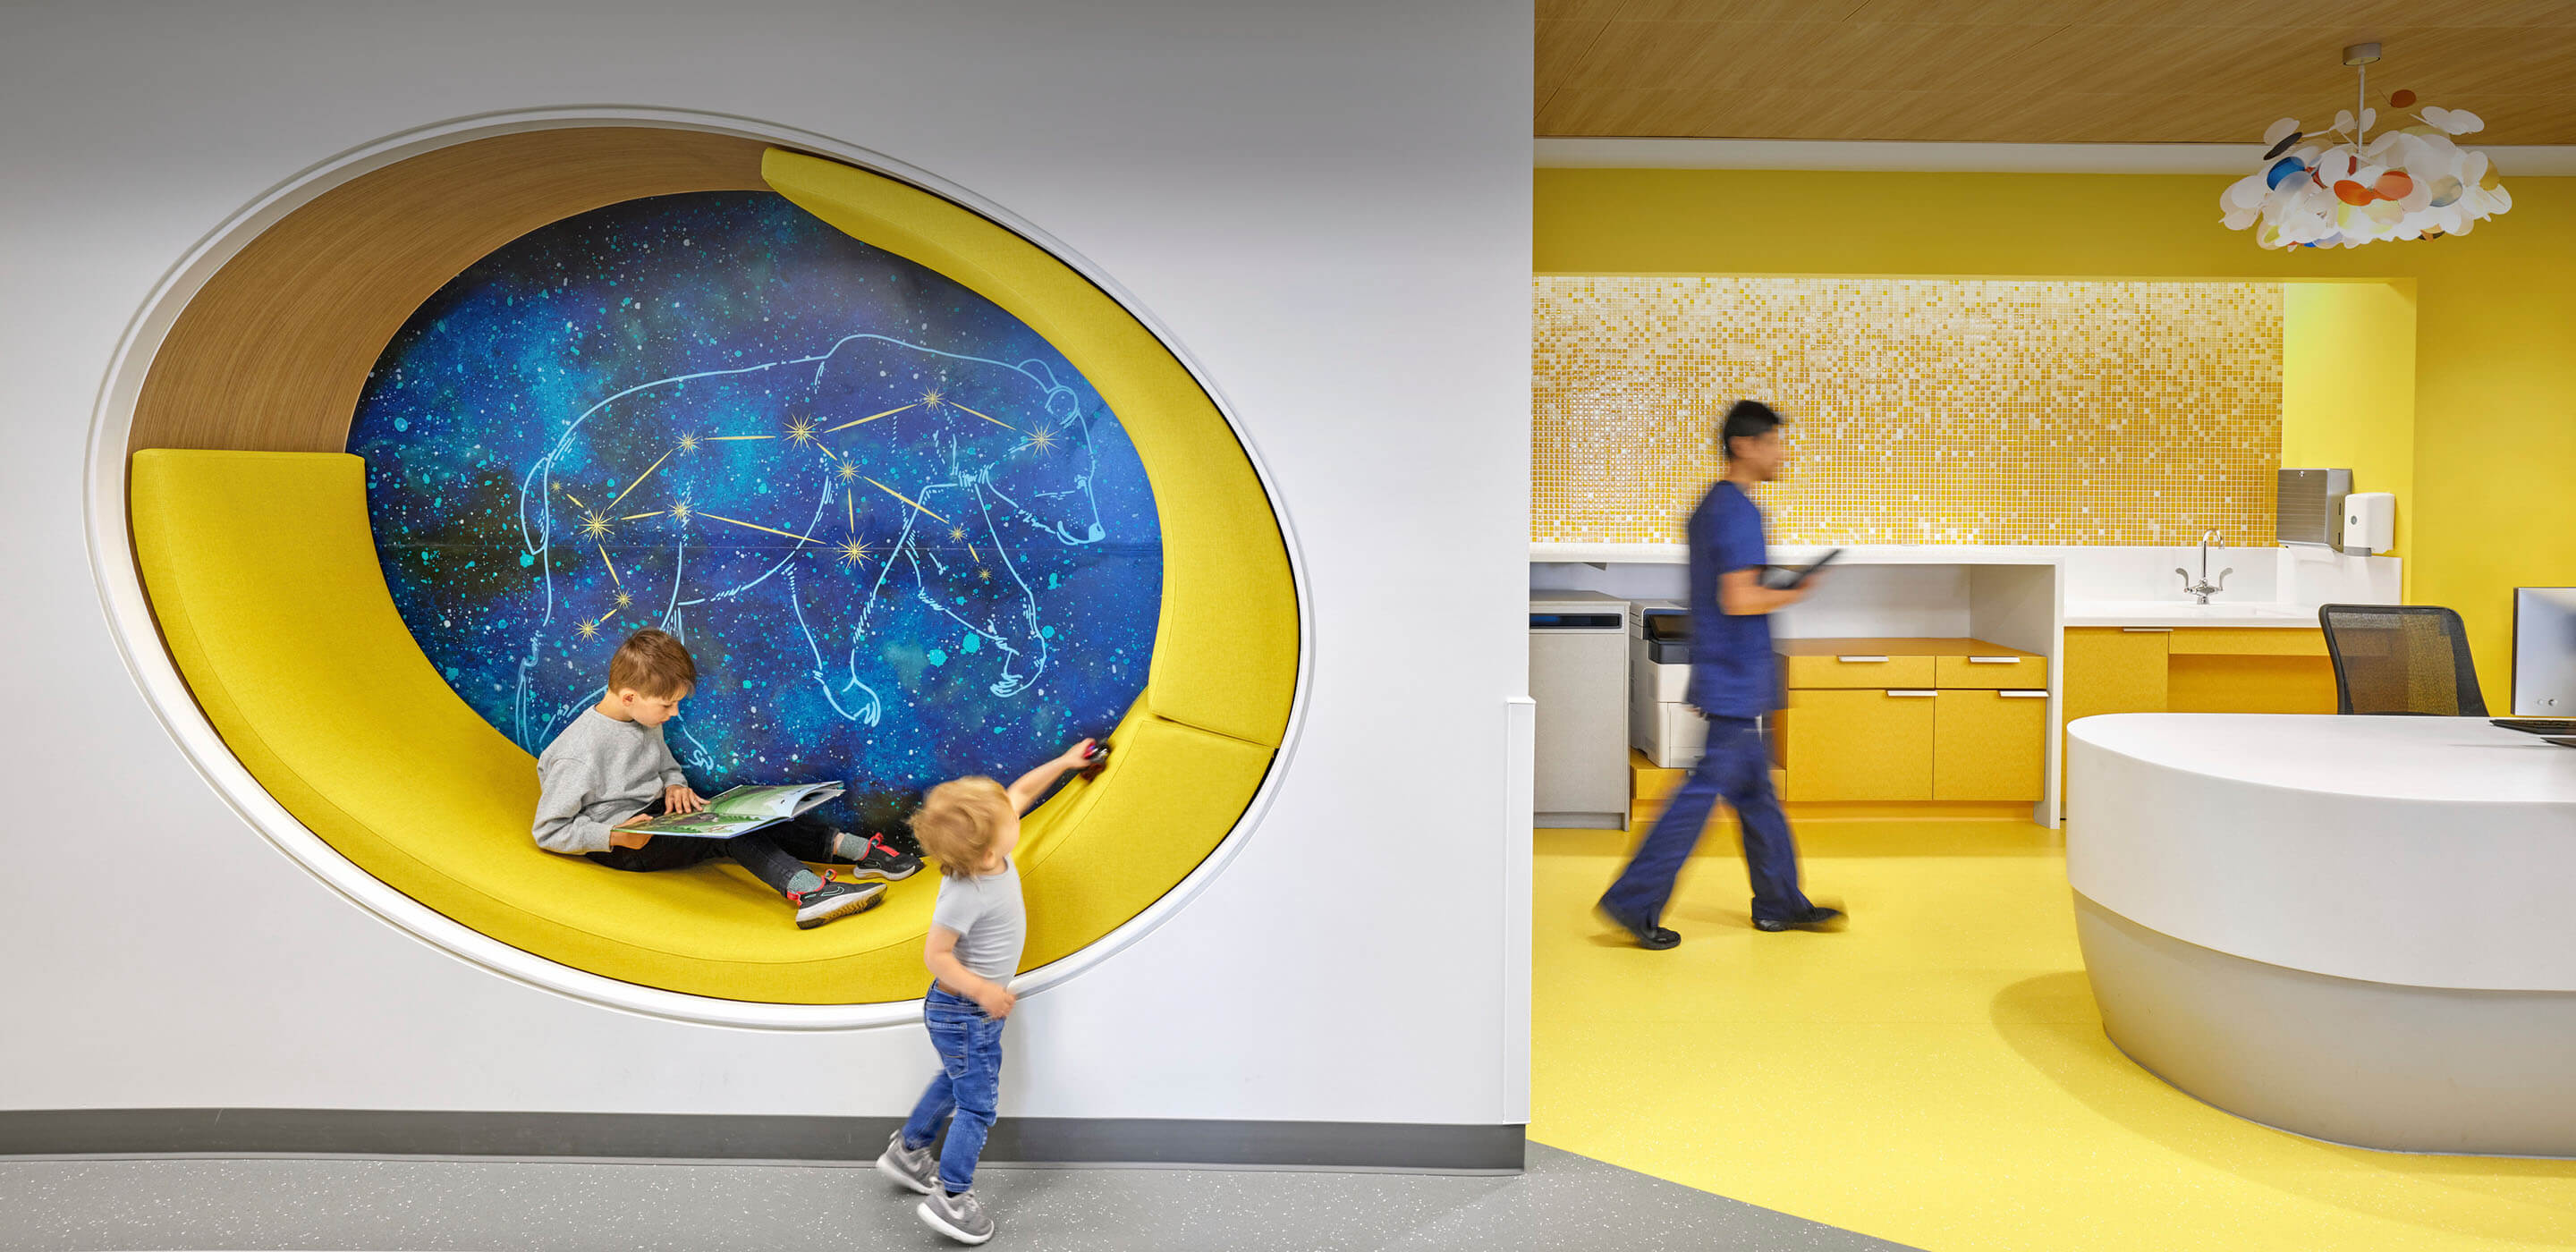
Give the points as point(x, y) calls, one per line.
point(1920, 411)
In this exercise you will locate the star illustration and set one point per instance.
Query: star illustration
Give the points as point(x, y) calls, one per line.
point(957, 534)
point(930, 399)
point(688, 443)
point(800, 431)
point(847, 472)
point(624, 599)
point(594, 525)
point(1042, 439)
point(982, 573)
point(588, 630)
point(680, 512)
point(854, 552)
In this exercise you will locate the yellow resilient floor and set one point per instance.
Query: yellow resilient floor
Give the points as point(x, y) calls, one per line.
point(1936, 1074)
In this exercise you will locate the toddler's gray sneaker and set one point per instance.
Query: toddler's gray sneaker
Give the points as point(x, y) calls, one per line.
point(913, 1167)
point(960, 1217)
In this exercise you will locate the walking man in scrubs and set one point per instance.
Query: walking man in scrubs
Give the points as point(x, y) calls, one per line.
point(1734, 682)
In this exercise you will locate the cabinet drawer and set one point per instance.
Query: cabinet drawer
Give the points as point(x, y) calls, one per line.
point(2246, 641)
point(1858, 745)
point(1990, 745)
point(1992, 672)
point(1871, 670)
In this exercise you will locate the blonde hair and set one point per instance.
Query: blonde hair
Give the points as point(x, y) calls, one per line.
point(960, 821)
point(651, 663)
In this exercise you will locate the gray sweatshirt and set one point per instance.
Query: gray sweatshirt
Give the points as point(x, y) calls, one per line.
point(597, 773)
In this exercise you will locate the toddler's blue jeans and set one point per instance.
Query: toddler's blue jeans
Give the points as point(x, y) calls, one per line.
point(969, 1082)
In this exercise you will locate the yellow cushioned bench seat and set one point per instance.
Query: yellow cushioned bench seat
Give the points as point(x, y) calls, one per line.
point(264, 579)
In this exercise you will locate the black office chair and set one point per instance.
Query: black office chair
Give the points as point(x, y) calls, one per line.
point(2401, 658)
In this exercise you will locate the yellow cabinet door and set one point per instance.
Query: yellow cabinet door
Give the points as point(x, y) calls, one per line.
point(2246, 641)
point(2108, 669)
point(2112, 670)
point(1857, 745)
point(1992, 671)
point(1989, 745)
point(1857, 669)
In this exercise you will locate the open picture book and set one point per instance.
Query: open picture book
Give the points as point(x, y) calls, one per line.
point(742, 810)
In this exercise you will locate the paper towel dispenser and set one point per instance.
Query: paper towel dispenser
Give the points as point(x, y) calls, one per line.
point(2309, 506)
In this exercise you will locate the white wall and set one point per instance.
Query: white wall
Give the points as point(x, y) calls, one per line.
point(1328, 202)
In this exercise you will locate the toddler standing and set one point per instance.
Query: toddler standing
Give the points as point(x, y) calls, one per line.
point(977, 928)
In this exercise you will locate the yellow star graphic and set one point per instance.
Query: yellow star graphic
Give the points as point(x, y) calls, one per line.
point(680, 512)
point(688, 443)
point(594, 525)
point(587, 629)
point(624, 599)
point(1042, 439)
point(957, 534)
point(984, 574)
point(800, 431)
point(930, 399)
point(854, 552)
point(847, 472)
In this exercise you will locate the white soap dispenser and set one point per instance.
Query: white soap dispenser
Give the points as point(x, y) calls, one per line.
point(2369, 523)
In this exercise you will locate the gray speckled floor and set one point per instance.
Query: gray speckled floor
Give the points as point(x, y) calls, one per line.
point(1564, 1201)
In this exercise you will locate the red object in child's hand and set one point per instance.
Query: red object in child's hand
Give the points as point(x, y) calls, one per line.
point(1097, 759)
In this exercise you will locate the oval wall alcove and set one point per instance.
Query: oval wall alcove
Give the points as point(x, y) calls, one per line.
point(250, 524)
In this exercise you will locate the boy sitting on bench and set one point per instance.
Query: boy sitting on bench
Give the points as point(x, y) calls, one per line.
point(610, 771)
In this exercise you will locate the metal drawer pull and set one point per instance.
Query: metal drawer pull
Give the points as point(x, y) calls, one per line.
point(2146, 630)
point(2023, 695)
point(1862, 660)
point(1912, 695)
point(1994, 660)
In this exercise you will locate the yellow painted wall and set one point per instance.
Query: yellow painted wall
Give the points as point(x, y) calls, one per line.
point(2495, 362)
point(2348, 386)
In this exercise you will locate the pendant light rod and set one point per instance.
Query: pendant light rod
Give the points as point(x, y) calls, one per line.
point(2359, 56)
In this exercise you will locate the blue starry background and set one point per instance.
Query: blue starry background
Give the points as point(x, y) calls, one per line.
point(903, 538)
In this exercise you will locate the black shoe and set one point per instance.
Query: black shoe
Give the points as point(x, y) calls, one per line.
point(881, 860)
point(1813, 918)
point(1651, 938)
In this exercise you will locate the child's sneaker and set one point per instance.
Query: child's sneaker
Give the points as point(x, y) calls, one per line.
point(960, 1217)
point(913, 1167)
point(835, 900)
point(880, 860)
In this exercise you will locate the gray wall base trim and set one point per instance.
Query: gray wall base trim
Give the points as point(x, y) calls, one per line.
point(2363, 1064)
point(1145, 1142)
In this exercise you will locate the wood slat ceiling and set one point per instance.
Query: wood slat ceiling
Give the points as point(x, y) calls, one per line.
point(2041, 71)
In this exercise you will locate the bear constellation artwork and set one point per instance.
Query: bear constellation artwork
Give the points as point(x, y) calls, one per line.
point(904, 538)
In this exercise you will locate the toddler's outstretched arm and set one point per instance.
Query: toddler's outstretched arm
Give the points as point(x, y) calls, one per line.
point(1031, 787)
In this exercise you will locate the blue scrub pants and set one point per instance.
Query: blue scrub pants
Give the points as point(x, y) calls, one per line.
point(1737, 768)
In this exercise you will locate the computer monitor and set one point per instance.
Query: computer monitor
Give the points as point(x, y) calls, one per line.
point(2544, 651)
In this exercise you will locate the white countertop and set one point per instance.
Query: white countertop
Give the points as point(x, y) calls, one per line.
point(1800, 554)
point(2456, 760)
point(2180, 612)
point(2421, 851)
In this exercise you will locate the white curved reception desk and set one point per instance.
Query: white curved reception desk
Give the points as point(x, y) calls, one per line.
point(2361, 929)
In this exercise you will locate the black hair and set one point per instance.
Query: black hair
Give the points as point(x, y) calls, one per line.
point(1747, 419)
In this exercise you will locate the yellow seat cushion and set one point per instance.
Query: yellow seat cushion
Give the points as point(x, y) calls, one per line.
point(265, 582)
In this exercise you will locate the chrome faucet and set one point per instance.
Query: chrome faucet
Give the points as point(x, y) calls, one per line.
point(2204, 588)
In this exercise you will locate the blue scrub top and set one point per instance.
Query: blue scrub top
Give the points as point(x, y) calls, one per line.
point(1733, 673)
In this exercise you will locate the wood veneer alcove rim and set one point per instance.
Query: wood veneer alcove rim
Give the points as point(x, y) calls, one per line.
point(272, 353)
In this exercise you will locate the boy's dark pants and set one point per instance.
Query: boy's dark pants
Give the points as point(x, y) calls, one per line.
point(773, 854)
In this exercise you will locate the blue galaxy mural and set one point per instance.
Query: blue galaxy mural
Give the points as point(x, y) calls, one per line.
point(904, 539)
